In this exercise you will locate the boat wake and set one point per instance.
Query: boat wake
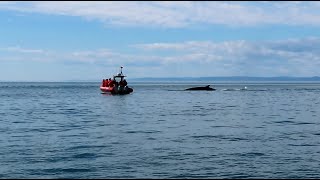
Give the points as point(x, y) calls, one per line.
point(236, 89)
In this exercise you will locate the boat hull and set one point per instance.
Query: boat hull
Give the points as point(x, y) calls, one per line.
point(112, 90)
point(106, 89)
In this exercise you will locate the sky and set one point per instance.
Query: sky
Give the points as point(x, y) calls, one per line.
point(91, 40)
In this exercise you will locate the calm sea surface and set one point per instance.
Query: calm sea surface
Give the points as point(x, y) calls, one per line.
point(71, 130)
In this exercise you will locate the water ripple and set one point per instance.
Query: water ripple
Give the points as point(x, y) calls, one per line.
point(71, 130)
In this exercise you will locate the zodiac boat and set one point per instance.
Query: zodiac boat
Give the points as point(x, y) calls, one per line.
point(116, 85)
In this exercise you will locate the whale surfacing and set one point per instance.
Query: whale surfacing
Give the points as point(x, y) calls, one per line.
point(203, 88)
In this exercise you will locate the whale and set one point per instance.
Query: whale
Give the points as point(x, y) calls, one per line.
point(202, 88)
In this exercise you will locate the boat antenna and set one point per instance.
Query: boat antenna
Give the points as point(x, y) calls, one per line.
point(121, 70)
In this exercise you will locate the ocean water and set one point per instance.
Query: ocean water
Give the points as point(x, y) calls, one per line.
point(71, 130)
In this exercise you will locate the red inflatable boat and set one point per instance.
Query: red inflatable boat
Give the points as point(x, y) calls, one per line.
point(116, 85)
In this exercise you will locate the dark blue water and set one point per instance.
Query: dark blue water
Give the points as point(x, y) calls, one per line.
point(71, 130)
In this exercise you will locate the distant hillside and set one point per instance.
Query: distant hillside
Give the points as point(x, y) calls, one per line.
point(231, 78)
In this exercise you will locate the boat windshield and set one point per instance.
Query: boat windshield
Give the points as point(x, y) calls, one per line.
point(117, 78)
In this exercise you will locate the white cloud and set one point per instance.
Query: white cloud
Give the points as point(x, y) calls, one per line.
point(292, 57)
point(297, 56)
point(178, 13)
point(21, 50)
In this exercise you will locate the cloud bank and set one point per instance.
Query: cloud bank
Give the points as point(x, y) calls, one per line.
point(292, 57)
point(178, 14)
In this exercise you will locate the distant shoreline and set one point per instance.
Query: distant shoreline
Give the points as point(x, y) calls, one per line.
point(225, 78)
point(230, 78)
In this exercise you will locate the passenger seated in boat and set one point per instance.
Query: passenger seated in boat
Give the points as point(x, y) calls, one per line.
point(103, 83)
point(106, 83)
point(116, 86)
point(122, 84)
point(125, 82)
point(111, 83)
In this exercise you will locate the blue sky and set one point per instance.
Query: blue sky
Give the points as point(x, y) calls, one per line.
point(59, 41)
